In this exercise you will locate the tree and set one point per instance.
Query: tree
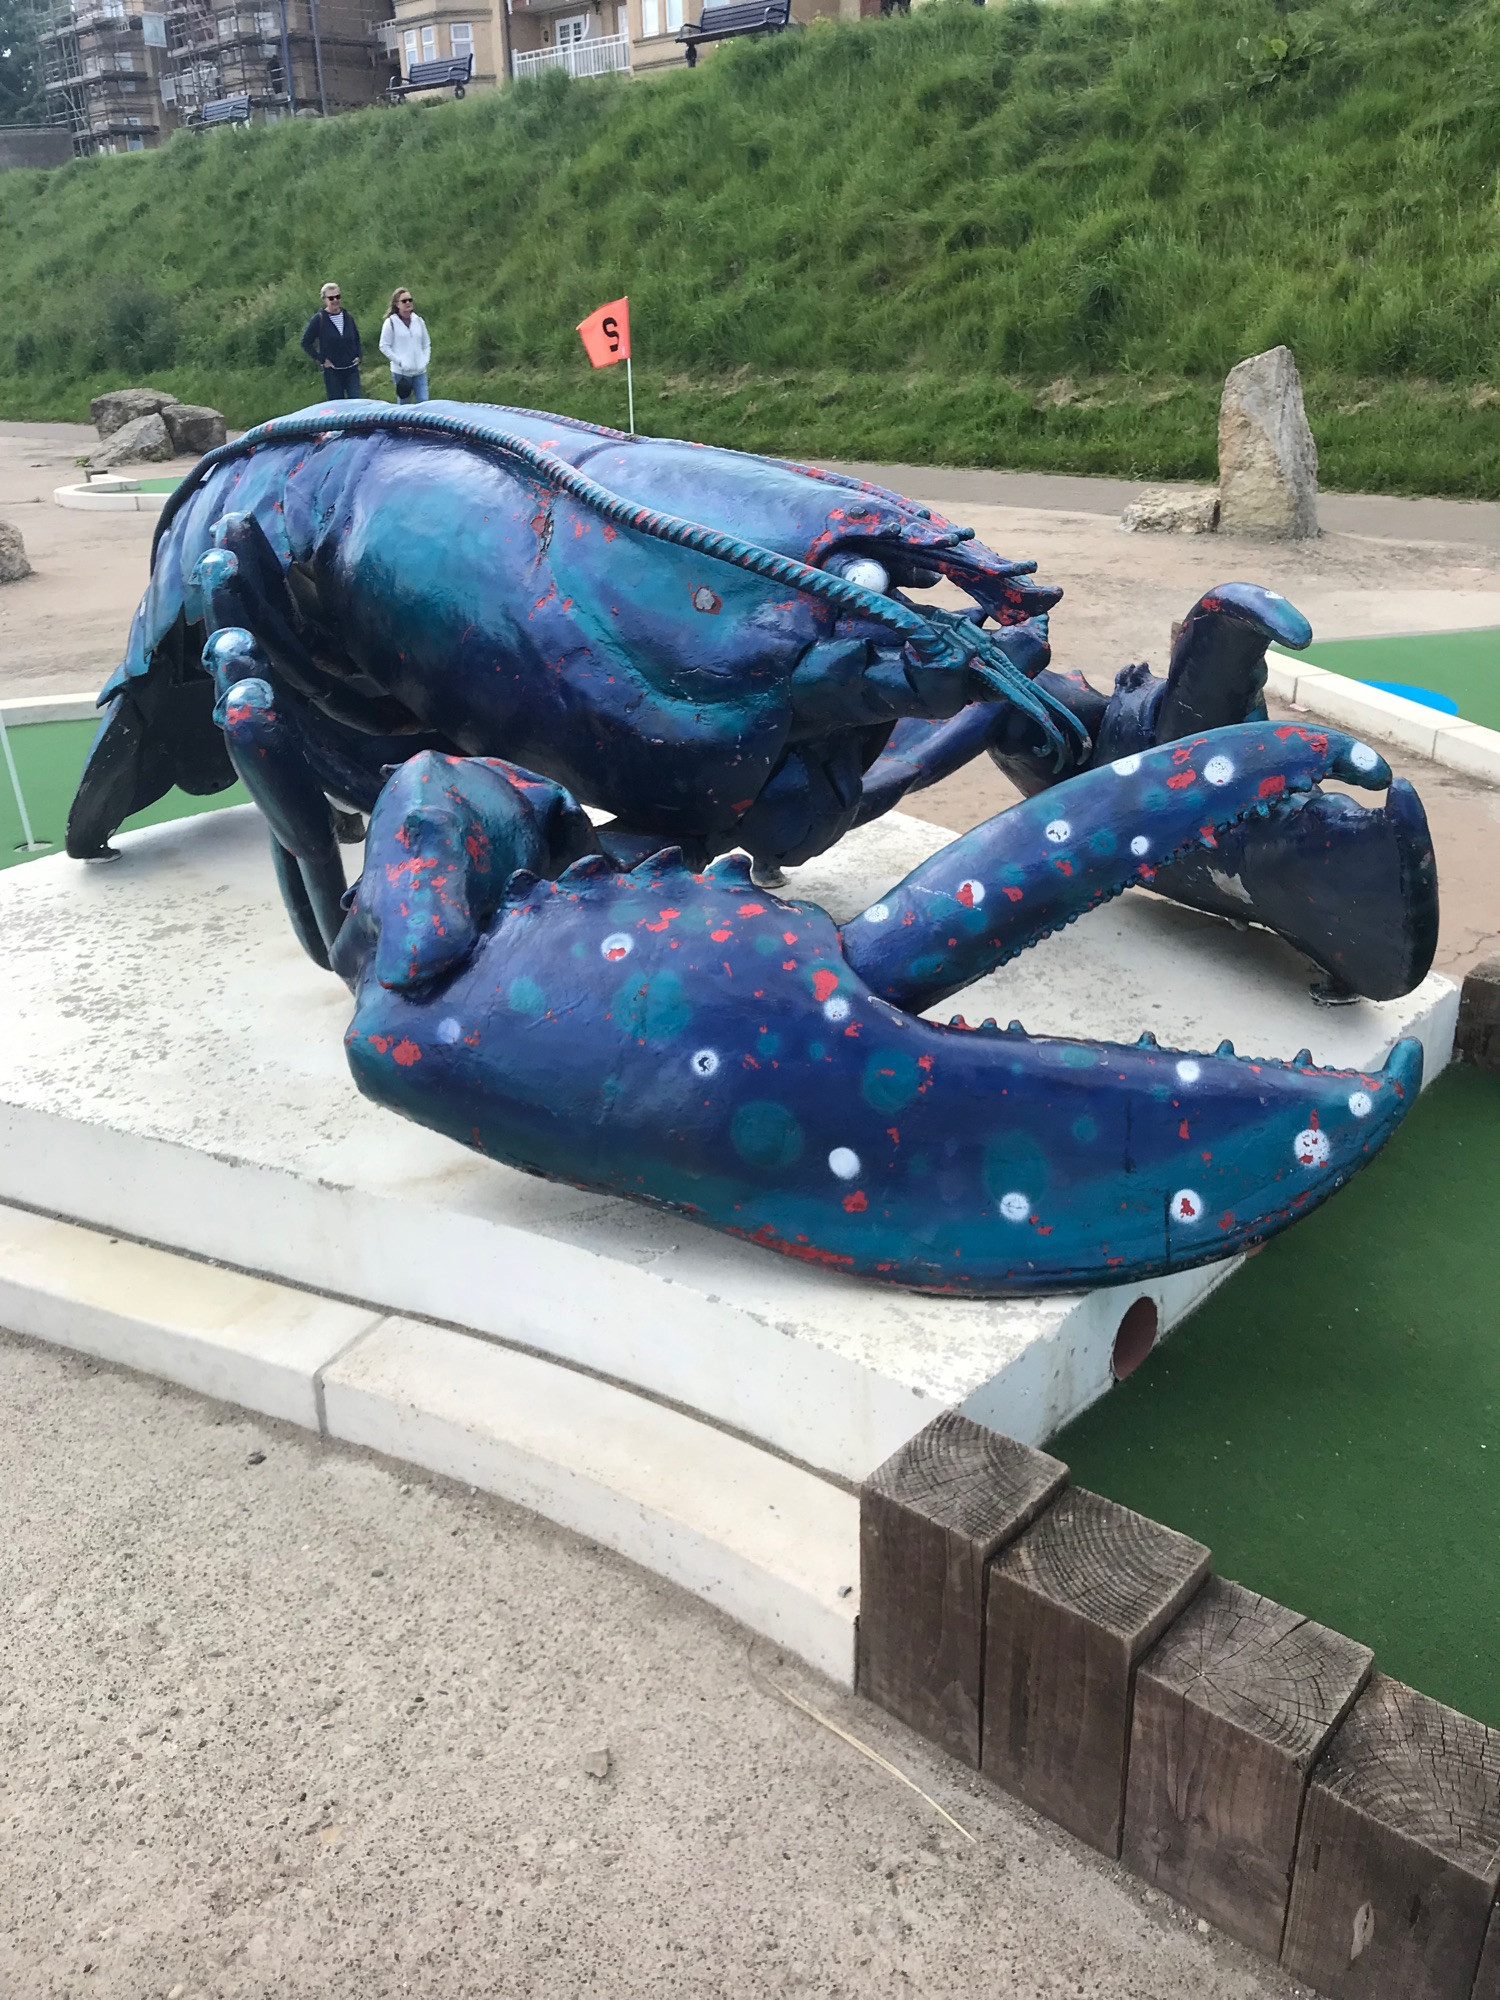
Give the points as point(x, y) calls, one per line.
point(22, 98)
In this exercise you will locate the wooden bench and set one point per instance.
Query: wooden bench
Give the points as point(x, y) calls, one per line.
point(739, 17)
point(225, 111)
point(454, 73)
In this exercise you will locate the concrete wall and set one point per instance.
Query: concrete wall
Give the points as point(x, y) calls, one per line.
point(34, 146)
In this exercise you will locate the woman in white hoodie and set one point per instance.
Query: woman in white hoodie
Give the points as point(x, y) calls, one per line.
point(404, 343)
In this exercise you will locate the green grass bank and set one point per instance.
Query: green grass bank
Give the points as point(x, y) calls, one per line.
point(1017, 235)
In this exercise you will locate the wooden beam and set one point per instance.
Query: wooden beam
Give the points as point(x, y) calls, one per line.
point(930, 1519)
point(1232, 1707)
point(1477, 1038)
point(1398, 1860)
point(1072, 1607)
point(1487, 1980)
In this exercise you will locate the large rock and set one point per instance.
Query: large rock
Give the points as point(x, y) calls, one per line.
point(141, 438)
point(13, 563)
point(193, 427)
point(122, 406)
point(1268, 463)
point(1160, 510)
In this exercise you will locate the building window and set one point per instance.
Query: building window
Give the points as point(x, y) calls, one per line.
point(572, 29)
point(674, 16)
point(132, 121)
point(411, 48)
point(135, 145)
point(650, 18)
point(429, 45)
point(461, 39)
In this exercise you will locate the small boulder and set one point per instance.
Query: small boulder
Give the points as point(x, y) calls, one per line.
point(193, 427)
point(13, 563)
point(142, 438)
point(1160, 511)
point(122, 406)
point(1268, 463)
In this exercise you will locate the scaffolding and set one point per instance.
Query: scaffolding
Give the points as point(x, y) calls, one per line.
point(122, 75)
point(101, 65)
point(285, 56)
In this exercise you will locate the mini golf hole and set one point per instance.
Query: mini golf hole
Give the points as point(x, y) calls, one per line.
point(1135, 1338)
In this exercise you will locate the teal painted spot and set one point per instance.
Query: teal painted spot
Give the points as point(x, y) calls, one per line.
point(1085, 1131)
point(766, 1135)
point(891, 1080)
point(816, 1051)
point(654, 1009)
point(1014, 1163)
point(524, 996)
point(1103, 841)
point(1076, 1055)
point(768, 945)
point(767, 1042)
point(928, 966)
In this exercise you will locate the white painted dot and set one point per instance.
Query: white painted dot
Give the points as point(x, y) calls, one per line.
point(1218, 770)
point(1362, 757)
point(1361, 1104)
point(836, 1009)
point(705, 1062)
point(970, 894)
point(449, 1030)
point(1015, 1207)
point(1189, 1071)
point(844, 1162)
point(1058, 831)
point(617, 946)
point(1126, 767)
point(1187, 1205)
point(1140, 845)
point(1311, 1147)
point(878, 913)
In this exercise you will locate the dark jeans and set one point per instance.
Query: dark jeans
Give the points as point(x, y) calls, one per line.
point(341, 384)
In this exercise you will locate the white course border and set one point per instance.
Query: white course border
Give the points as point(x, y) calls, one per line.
point(1447, 739)
point(87, 498)
point(18, 710)
point(768, 1542)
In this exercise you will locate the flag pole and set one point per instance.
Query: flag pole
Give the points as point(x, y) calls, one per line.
point(32, 844)
point(630, 394)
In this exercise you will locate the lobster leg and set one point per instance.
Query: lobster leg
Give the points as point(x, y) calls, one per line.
point(995, 891)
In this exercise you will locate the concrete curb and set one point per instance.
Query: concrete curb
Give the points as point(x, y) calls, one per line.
point(768, 1542)
point(18, 710)
point(1447, 739)
point(85, 499)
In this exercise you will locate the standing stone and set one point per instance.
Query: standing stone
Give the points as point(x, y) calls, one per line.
point(142, 438)
point(193, 427)
point(13, 563)
point(1268, 463)
point(122, 406)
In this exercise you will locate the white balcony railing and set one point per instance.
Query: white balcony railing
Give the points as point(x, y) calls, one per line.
point(596, 57)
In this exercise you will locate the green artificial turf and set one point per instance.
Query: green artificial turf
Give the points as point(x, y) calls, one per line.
point(49, 757)
point(1019, 234)
point(1329, 1422)
point(1463, 665)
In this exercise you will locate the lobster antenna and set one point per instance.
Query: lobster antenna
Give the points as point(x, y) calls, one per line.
point(985, 660)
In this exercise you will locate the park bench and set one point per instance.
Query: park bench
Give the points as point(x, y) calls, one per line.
point(454, 73)
point(738, 17)
point(225, 111)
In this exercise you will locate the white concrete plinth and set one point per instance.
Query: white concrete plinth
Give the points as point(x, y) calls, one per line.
point(171, 1068)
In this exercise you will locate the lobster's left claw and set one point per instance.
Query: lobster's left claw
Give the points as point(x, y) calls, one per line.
point(999, 889)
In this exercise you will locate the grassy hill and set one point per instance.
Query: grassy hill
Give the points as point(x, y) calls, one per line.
point(1018, 235)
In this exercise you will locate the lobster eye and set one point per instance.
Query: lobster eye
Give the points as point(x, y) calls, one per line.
point(863, 570)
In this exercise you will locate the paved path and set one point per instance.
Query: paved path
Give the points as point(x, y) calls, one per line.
point(317, 1727)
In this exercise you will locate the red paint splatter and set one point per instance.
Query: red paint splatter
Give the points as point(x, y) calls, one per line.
point(665, 918)
point(855, 1204)
point(825, 983)
point(406, 1053)
point(789, 965)
point(1014, 895)
point(754, 910)
point(1271, 788)
point(1183, 778)
point(966, 894)
point(1182, 1130)
point(721, 936)
point(789, 937)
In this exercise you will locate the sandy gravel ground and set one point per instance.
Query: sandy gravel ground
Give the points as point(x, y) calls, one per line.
point(62, 630)
point(316, 1728)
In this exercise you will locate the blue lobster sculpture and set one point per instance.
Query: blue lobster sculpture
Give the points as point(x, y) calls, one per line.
point(462, 620)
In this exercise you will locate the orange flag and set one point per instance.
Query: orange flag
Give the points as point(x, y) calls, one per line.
point(606, 333)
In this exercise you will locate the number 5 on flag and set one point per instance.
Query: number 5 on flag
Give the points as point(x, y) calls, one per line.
point(606, 339)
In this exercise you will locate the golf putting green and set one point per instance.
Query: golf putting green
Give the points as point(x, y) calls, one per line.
point(1464, 666)
point(49, 757)
point(1329, 1421)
